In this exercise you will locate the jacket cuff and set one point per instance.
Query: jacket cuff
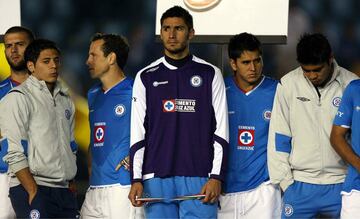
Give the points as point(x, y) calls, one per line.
point(218, 177)
point(16, 167)
point(136, 180)
point(285, 184)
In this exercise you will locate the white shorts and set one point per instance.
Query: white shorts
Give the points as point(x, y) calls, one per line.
point(6, 209)
point(262, 202)
point(350, 208)
point(109, 202)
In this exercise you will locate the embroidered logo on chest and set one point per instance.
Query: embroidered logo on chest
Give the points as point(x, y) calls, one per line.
point(67, 114)
point(336, 101)
point(303, 99)
point(179, 105)
point(267, 115)
point(119, 110)
point(246, 137)
point(196, 81)
point(157, 83)
point(99, 134)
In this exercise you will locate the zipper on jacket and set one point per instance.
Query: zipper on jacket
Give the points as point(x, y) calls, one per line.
point(319, 95)
point(320, 132)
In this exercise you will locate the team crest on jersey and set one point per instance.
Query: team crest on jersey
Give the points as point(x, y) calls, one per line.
point(179, 105)
point(196, 81)
point(267, 115)
point(168, 106)
point(246, 137)
point(67, 114)
point(336, 101)
point(119, 110)
point(34, 214)
point(99, 134)
point(288, 210)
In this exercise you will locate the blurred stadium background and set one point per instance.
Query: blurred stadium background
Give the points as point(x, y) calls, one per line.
point(72, 23)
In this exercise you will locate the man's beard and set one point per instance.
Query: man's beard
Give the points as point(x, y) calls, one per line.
point(176, 50)
point(21, 66)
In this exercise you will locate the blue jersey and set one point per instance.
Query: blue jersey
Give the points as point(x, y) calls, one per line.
point(249, 116)
point(5, 86)
point(348, 116)
point(109, 115)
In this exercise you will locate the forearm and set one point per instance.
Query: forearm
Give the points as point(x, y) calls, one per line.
point(345, 151)
point(27, 180)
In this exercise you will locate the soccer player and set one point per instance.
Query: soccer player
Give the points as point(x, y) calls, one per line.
point(346, 120)
point(250, 95)
point(110, 107)
point(179, 127)
point(16, 39)
point(37, 123)
point(300, 156)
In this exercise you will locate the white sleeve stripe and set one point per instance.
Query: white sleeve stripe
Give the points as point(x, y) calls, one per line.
point(138, 109)
point(138, 162)
point(218, 159)
point(220, 106)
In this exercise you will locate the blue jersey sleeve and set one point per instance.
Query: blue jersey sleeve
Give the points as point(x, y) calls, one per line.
point(344, 115)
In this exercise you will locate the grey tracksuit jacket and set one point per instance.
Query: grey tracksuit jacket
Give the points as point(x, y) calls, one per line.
point(38, 129)
point(299, 135)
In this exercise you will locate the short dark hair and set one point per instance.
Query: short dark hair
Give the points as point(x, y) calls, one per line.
point(117, 44)
point(180, 12)
point(34, 49)
point(243, 42)
point(20, 29)
point(313, 49)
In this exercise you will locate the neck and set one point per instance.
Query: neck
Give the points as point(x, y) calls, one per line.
point(51, 87)
point(111, 79)
point(245, 86)
point(329, 76)
point(179, 55)
point(19, 76)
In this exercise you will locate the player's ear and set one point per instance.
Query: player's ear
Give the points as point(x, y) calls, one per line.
point(191, 33)
point(112, 58)
point(233, 64)
point(30, 66)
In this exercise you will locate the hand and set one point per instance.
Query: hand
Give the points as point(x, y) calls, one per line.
point(72, 186)
point(32, 196)
point(124, 163)
point(212, 190)
point(136, 191)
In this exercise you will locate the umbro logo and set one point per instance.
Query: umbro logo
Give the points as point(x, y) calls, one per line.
point(152, 69)
point(303, 99)
point(157, 83)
